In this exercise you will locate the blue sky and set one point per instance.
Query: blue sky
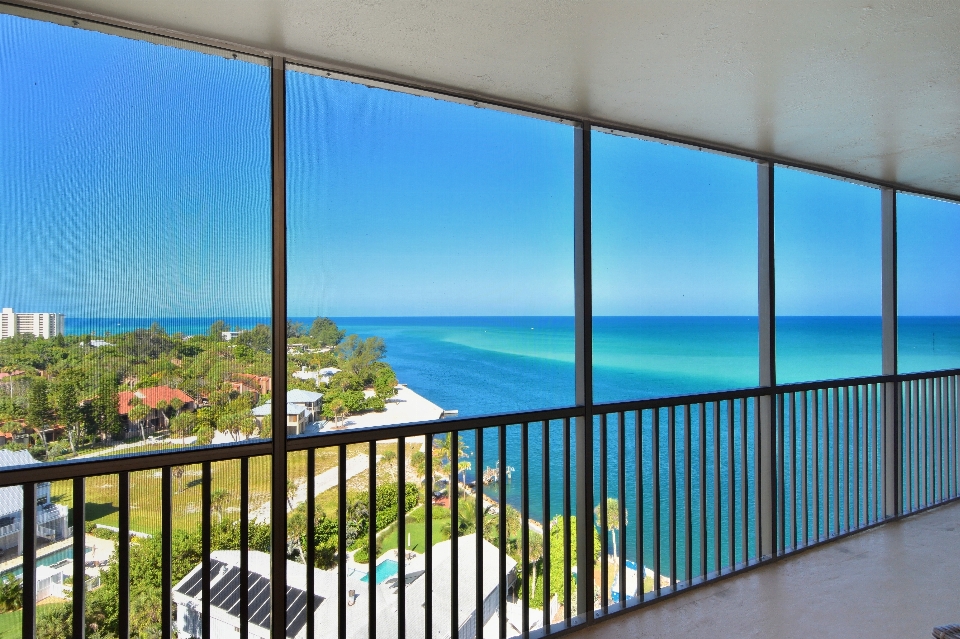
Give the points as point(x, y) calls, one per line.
point(928, 256)
point(827, 235)
point(135, 177)
point(404, 205)
point(135, 181)
point(674, 230)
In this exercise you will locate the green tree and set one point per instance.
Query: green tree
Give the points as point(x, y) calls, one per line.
point(138, 414)
point(325, 331)
point(68, 408)
point(259, 338)
point(613, 519)
point(445, 450)
point(106, 407)
point(559, 581)
point(295, 329)
point(11, 593)
point(385, 384)
point(204, 435)
point(39, 413)
point(358, 355)
point(216, 330)
point(177, 472)
point(183, 425)
point(336, 408)
point(54, 621)
point(266, 429)
point(218, 502)
point(325, 541)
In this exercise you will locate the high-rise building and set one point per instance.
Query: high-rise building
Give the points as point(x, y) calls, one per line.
point(45, 325)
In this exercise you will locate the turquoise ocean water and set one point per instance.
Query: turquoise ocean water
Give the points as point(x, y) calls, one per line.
point(486, 365)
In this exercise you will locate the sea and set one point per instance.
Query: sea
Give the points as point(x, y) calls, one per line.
point(488, 365)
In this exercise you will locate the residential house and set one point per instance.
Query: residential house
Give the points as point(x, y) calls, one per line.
point(225, 603)
point(259, 383)
point(296, 417)
point(321, 376)
point(152, 398)
point(51, 519)
point(310, 401)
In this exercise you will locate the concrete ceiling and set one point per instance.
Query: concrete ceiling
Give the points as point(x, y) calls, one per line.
point(870, 87)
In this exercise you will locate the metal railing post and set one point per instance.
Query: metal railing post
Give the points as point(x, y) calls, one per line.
point(765, 420)
point(278, 414)
point(891, 418)
point(584, 370)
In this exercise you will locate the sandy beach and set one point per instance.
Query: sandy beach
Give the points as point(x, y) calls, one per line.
point(404, 408)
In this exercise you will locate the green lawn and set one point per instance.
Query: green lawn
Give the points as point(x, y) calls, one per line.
point(102, 503)
point(417, 533)
point(11, 623)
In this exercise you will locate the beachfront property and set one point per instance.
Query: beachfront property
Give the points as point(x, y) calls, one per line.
point(229, 335)
point(51, 518)
point(308, 400)
point(43, 325)
point(159, 400)
point(571, 174)
point(225, 604)
point(302, 408)
point(296, 416)
point(248, 382)
point(321, 376)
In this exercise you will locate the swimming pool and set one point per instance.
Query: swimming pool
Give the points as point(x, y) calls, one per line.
point(385, 569)
point(46, 560)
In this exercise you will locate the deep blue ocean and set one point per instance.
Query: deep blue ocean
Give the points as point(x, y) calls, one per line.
point(486, 365)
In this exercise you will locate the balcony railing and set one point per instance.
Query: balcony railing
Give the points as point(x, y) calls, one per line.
point(705, 486)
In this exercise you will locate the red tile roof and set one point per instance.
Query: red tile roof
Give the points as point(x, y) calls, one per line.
point(152, 396)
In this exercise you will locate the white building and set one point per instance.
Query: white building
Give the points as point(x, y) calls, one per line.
point(296, 416)
point(309, 401)
point(225, 602)
point(51, 519)
point(45, 325)
point(321, 376)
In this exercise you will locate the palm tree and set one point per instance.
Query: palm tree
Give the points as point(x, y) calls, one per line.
point(138, 414)
point(613, 519)
point(11, 593)
point(247, 425)
point(177, 472)
point(218, 500)
point(445, 450)
point(339, 409)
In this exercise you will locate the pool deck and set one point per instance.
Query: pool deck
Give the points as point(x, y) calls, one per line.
point(17, 562)
point(102, 550)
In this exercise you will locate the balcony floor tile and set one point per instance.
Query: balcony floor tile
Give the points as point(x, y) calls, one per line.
point(896, 581)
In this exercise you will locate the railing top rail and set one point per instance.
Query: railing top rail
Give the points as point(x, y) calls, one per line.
point(457, 424)
point(678, 400)
point(857, 381)
point(92, 466)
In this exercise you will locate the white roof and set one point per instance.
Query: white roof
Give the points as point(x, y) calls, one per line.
point(298, 396)
point(11, 497)
point(326, 587)
point(265, 409)
point(387, 600)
